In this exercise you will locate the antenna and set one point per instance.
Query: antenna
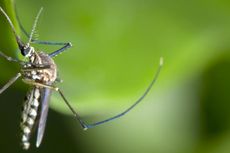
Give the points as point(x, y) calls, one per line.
point(34, 25)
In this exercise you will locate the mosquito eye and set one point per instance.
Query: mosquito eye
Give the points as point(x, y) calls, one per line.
point(22, 49)
point(26, 51)
point(23, 52)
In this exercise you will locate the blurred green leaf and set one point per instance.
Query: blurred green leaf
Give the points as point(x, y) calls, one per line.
point(117, 46)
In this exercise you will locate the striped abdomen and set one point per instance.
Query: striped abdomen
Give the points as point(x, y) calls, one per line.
point(29, 114)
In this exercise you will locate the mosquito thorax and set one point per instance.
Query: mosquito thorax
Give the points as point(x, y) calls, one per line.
point(41, 68)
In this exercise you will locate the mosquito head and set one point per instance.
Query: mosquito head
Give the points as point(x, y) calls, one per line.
point(27, 50)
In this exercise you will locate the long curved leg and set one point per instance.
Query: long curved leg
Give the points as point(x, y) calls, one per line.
point(87, 126)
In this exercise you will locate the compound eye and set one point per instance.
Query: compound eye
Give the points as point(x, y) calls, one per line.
point(23, 51)
point(26, 51)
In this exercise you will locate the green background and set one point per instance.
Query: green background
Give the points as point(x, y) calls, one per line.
point(116, 49)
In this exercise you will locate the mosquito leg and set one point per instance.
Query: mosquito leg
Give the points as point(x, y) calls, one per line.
point(135, 103)
point(66, 46)
point(31, 82)
point(87, 126)
point(8, 58)
point(10, 82)
point(55, 53)
point(83, 124)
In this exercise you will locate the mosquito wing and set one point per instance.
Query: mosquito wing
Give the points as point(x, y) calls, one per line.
point(45, 97)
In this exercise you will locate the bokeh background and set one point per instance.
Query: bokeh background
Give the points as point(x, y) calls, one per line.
point(116, 49)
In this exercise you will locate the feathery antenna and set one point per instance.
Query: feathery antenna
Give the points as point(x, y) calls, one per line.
point(34, 25)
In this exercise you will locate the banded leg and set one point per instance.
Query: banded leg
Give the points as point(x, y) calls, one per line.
point(10, 82)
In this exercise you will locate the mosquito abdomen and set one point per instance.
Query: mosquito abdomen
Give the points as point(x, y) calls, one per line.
point(29, 115)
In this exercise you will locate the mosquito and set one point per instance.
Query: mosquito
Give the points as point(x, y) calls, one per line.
point(40, 72)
